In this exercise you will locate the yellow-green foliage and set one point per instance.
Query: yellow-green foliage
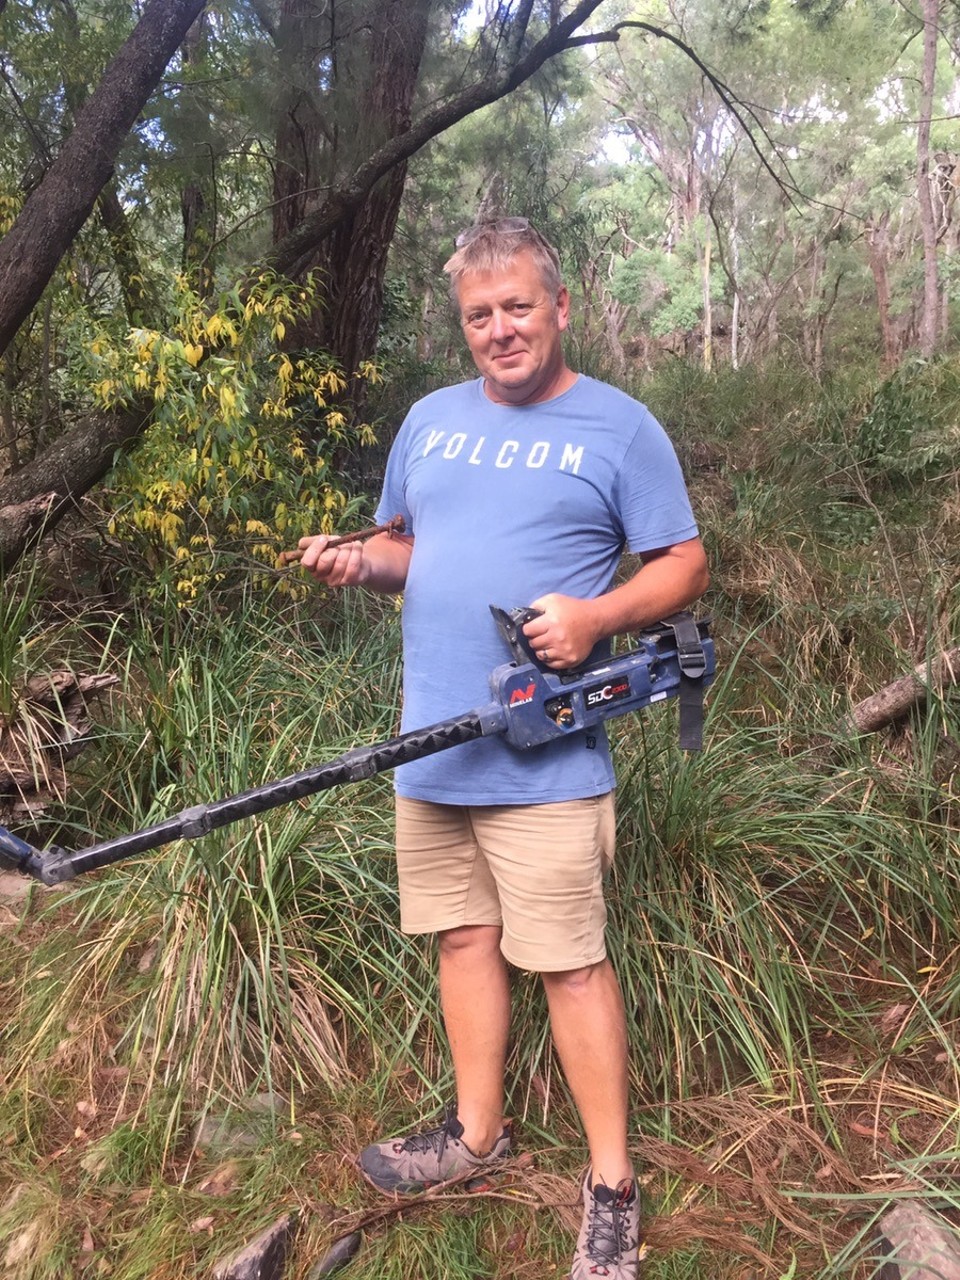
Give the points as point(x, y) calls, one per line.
point(227, 464)
point(10, 205)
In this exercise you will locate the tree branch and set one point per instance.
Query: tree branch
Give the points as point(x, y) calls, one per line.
point(723, 90)
point(77, 459)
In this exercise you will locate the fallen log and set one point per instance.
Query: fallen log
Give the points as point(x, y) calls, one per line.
point(894, 701)
point(67, 469)
point(20, 521)
point(918, 1245)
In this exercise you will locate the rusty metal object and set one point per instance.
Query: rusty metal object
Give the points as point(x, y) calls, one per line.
point(390, 527)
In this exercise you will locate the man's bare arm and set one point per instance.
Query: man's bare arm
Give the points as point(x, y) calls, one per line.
point(671, 578)
point(379, 564)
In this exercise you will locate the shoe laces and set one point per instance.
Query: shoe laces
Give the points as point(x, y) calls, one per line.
point(428, 1140)
point(609, 1222)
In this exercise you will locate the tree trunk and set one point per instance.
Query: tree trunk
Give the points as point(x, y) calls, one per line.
point(139, 292)
point(302, 129)
point(62, 474)
point(9, 451)
point(930, 315)
point(735, 284)
point(613, 314)
point(946, 188)
point(79, 458)
point(707, 303)
point(877, 250)
point(198, 199)
point(354, 263)
point(57, 209)
point(20, 524)
point(424, 339)
point(827, 303)
point(817, 264)
point(380, 71)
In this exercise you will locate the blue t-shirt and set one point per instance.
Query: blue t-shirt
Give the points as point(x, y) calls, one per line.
point(506, 504)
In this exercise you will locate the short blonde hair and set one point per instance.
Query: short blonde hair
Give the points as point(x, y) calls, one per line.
point(492, 246)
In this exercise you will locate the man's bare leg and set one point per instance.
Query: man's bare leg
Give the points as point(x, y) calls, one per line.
point(589, 1030)
point(475, 995)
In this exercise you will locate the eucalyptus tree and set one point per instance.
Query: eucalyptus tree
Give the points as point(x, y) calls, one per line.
point(881, 153)
point(787, 163)
point(686, 124)
point(932, 15)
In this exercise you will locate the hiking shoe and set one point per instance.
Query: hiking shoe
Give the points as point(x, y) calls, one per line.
point(408, 1166)
point(609, 1240)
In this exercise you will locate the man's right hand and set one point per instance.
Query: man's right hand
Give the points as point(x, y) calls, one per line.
point(380, 564)
point(341, 566)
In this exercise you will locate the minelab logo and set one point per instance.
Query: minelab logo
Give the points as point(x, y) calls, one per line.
point(521, 696)
point(615, 691)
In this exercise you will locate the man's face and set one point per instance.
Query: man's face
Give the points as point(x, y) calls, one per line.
point(513, 325)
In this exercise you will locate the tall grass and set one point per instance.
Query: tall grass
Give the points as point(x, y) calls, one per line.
point(239, 952)
point(783, 912)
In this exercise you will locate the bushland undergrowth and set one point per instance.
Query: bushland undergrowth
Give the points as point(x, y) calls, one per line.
point(199, 1041)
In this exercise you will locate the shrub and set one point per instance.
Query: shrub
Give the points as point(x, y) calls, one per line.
point(239, 459)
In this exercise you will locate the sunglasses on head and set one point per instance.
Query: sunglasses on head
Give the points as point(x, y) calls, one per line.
point(500, 226)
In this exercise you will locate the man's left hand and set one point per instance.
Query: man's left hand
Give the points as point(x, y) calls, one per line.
point(566, 631)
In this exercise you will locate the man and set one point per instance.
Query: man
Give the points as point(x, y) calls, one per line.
point(522, 487)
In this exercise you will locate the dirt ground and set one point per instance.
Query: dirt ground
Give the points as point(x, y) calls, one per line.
point(13, 887)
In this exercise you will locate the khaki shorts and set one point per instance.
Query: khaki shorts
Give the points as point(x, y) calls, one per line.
point(535, 870)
